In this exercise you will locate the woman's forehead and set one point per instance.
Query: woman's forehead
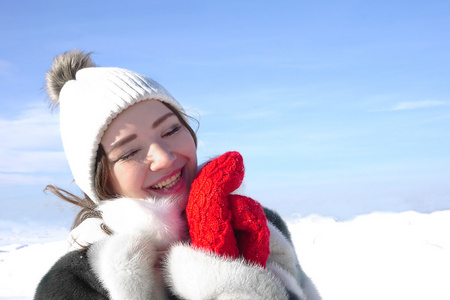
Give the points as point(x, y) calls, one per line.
point(143, 114)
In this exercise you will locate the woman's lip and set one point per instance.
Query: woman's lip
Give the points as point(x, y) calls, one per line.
point(176, 189)
point(165, 178)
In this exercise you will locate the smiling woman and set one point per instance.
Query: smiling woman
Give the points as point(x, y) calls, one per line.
point(153, 225)
point(148, 135)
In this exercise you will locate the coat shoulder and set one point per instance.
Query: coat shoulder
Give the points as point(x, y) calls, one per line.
point(274, 218)
point(71, 277)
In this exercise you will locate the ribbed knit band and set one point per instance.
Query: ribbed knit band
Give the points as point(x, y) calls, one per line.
point(89, 104)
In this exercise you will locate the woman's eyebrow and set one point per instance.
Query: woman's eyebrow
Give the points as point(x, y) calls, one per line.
point(122, 142)
point(162, 119)
point(131, 137)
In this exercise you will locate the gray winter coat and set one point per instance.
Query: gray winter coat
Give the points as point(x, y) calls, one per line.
point(122, 265)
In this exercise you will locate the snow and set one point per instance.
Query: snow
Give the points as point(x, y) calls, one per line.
point(22, 266)
point(375, 256)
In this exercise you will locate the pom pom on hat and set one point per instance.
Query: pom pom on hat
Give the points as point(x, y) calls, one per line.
point(64, 68)
point(89, 98)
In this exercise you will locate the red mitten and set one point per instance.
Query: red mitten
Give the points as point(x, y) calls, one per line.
point(208, 212)
point(250, 225)
point(226, 224)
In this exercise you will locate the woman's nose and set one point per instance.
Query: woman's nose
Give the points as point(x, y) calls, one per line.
point(160, 157)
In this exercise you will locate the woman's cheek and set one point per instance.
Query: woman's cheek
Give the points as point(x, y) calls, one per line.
point(127, 180)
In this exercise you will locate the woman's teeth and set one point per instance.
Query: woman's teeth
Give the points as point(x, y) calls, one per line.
point(168, 183)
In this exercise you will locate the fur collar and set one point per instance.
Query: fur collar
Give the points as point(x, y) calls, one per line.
point(127, 262)
point(162, 219)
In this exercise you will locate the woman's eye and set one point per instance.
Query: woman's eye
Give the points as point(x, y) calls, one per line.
point(128, 155)
point(173, 130)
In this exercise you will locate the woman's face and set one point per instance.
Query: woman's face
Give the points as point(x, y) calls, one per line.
point(151, 154)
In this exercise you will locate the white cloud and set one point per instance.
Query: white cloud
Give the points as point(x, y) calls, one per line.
point(31, 147)
point(31, 161)
point(24, 179)
point(418, 105)
point(34, 128)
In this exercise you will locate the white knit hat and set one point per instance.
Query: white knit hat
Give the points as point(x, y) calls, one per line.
point(88, 104)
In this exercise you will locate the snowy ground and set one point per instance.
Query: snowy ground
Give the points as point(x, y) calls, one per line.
point(376, 256)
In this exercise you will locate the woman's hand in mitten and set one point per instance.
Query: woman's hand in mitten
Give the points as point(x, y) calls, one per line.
point(250, 227)
point(208, 210)
point(226, 224)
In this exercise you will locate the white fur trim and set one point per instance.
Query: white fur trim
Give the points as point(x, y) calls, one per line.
point(159, 219)
point(194, 274)
point(125, 262)
point(281, 251)
point(125, 266)
point(283, 263)
point(85, 234)
point(310, 289)
point(287, 279)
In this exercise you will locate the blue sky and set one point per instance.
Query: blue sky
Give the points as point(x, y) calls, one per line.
point(338, 107)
